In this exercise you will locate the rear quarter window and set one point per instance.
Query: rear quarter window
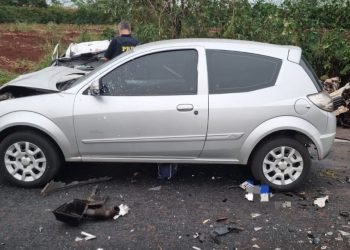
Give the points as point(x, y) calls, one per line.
point(235, 72)
point(311, 73)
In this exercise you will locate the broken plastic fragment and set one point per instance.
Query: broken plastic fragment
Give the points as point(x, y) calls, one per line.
point(205, 221)
point(249, 196)
point(123, 210)
point(155, 188)
point(246, 184)
point(256, 246)
point(344, 234)
point(87, 237)
point(321, 202)
point(196, 248)
point(254, 215)
point(264, 197)
point(257, 228)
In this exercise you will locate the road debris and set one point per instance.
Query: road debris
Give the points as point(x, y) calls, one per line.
point(54, 186)
point(71, 213)
point(257, 229)
point(221, 219)
point(205, 221)
point(199, 236)
point(123, 210)
point(313, 239)
point(254, 215)
point(321, 202)
point(256, 246)
point(249, 196)
point(220, 231)
point(283, 204)
point(344, 234)
point(41, 229)
point(102, 213)
point(344, 214)
point(155, 188)
point(347, 179)
point(196, 248)
point(167, 171)
point(87, 237)
point(251, 190)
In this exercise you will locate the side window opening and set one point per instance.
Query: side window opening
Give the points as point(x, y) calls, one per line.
point(235, 72)
point(163, 73)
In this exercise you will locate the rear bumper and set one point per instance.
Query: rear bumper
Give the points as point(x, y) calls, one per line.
point(327, 139)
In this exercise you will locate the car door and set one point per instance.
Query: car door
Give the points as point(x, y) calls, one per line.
point(153, 106)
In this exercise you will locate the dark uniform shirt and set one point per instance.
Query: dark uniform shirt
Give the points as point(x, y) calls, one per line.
point(119, 45)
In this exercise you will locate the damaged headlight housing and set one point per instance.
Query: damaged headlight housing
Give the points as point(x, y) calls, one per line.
point(322, 100)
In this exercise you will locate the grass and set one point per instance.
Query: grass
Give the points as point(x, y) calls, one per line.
point(6, 76)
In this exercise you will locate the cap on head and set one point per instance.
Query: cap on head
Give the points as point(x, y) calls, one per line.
point(124, 25)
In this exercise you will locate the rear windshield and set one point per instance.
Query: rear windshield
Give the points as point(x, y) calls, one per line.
point(311, 73)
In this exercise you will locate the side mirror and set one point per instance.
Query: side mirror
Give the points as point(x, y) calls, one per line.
point(95, 89)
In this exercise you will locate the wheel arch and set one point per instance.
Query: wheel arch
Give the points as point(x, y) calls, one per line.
point(17, 128)
point(18, 121)
point(293, 127)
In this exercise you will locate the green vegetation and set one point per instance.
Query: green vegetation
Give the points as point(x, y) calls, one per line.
point(320, 27)
point(6, 77)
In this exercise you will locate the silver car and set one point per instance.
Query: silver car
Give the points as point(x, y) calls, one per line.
point(179, 101)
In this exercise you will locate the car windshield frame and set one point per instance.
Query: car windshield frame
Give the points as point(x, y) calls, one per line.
point(94, 71)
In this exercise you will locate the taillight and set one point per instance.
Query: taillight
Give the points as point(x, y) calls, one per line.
point(322, 100)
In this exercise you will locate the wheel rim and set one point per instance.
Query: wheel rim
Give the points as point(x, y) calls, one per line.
point(25, 161)
point(283, 165)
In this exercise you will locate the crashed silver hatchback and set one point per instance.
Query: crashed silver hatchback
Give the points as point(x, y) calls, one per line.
point(179, 101)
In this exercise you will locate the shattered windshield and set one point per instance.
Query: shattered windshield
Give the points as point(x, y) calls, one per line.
point(81, 79)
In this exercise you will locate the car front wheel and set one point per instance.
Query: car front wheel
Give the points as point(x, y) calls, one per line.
point(282, 163)
point(28, 159)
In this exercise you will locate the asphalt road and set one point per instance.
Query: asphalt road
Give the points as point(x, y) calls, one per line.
point(170, 217)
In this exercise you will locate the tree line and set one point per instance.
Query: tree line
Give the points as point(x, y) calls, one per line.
point(320, 27)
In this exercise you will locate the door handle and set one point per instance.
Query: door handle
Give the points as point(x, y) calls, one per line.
point(184, 107)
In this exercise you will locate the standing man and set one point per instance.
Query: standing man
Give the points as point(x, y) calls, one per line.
point(121, 43)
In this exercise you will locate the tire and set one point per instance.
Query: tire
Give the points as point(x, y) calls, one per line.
point(282, 172)
point(31, 157)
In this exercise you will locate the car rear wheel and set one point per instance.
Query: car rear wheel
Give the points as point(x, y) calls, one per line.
point(283, 163)
point(28, 159)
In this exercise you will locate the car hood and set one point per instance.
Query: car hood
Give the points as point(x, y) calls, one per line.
point(47, 78)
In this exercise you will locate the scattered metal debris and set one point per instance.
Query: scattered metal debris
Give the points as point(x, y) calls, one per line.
point(87, 237)
point(155, 188)
point(321, 202)
point(220, 231)
point(102, 213)
point(53, 186)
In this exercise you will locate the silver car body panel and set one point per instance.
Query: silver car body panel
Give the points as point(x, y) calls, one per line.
point(150, 129)
point(46, 78)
